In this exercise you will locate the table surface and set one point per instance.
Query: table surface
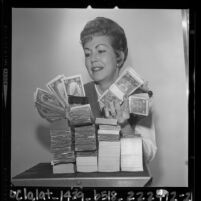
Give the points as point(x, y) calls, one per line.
point(42, 174)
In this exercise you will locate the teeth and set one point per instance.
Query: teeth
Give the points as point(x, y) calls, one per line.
point(96, 68)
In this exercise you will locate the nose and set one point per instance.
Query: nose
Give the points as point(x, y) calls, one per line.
point(94, 57)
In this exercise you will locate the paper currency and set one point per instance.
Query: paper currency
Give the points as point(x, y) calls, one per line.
point(61, 139)
point(85, 138)
point(109, 133)
point(131, 154)
point(105, 121)
point(50, 114)
point(57, 87)
point(109, 156)
point(81, 115)
point(80, 100)
point(43, 97)
point(109, 127)
point(109, 145)
point(139, 104)
point(74, 85)
point(87, 161)
point(126, 84)
point(129, 81)
point(65, 93)
point(63, 168)
point(62, 146)
point(109, 96)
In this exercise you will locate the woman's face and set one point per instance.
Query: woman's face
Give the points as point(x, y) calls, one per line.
point(101, 60)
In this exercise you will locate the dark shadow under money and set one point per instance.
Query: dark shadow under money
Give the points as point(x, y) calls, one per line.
point(43, 136)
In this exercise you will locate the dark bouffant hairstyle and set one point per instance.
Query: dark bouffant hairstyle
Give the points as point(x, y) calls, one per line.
point(103, 26)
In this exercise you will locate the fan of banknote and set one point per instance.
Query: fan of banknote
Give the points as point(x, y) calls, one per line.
point(53, 105)
point(128, 85)
point(56, 103)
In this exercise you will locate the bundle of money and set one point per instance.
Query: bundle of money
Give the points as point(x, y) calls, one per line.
point(126, 84)
point(109, 133)
point(81, 115)
point(60, 140)
point(77, 100)
point(54, 105)
point(86, 148)
point(106, 121)
point(139, 104)
point(131, 154)
point(109, 145)
point(63, 168)
point(48, 105)
point(108, 130)
point(109, 156)
point(62, 149)
point(87, 161)
point(85, 138)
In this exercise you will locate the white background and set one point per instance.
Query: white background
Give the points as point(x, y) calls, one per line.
point(45, 43)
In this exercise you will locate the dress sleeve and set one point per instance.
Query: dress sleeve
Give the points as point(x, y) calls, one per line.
point(145, 127)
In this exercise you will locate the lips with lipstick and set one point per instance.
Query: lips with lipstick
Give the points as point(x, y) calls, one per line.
point(96, 68)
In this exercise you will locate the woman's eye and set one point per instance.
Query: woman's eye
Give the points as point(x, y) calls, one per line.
point(101, 51)
point(87, 54)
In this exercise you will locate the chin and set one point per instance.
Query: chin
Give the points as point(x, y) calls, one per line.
point(97, 78)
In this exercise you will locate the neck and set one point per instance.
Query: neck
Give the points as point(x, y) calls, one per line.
point(105, 84)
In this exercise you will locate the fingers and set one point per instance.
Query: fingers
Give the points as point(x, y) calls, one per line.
point(107, 114)
point(126, 104)
point(125, 113)
point(145, 87)
point(112, 109)
point(118, 109)
point(122, 111)
point(150, 103)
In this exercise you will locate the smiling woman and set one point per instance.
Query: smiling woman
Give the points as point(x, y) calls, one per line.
point(105, 48)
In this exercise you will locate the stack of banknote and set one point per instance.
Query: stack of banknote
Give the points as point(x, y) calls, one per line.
point(62, 147)
point(109, 145)
point(81, 115)
point(87, 161)
point(75, 132)
point(109, 133)
point(109, 156)
point(85, 138)
point(131, 153)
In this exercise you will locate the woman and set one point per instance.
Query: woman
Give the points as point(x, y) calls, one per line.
point(105, 48)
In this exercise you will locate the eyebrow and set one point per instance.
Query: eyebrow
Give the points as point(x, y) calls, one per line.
point(86, 48)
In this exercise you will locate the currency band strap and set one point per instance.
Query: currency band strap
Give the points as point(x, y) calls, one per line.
point(78, 100)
